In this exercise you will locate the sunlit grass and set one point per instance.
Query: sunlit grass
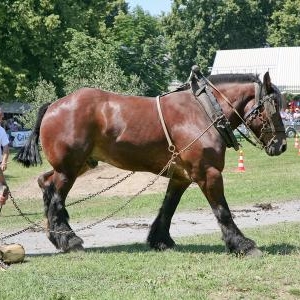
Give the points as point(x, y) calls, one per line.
point(198, 268)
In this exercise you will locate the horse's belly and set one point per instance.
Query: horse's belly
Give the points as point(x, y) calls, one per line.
point(131, 157)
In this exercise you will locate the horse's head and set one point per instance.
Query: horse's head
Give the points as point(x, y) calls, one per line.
point(264, 119)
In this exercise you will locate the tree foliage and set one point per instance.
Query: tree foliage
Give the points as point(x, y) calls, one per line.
point(39, 40)
point(196, 29)
point(92, 63)
point(72, 43)
point(43, 92)
point(284, 29)
point(142, 49)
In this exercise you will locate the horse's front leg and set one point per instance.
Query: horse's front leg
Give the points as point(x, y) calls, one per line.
point(55, 188)
point(159, 236)
point(213, 189)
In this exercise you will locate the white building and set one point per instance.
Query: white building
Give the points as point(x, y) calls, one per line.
point(283, 64)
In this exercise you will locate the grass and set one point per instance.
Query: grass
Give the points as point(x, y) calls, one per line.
point(198, 268)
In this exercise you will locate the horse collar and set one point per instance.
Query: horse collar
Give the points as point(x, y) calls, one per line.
point(208, 101)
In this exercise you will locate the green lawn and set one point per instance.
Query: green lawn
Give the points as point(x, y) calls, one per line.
point(198, 268)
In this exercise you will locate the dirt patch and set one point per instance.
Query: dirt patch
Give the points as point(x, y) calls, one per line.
point(135, 230)
point(97, 179)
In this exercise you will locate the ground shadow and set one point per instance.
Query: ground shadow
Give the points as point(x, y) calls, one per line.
point(274, 249)
point(142, 247)
point(280, 249)
point(139, 247)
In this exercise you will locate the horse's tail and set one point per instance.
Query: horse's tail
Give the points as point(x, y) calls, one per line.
point(29, 154)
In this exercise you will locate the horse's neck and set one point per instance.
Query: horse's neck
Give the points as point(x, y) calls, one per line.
point(236, 100)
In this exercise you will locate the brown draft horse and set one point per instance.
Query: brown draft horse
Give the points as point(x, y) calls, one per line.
point(92, 125)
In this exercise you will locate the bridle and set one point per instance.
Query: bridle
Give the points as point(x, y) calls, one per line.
point(261, 101)
point(268, 103)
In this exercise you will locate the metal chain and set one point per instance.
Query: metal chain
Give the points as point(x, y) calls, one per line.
point(128, 201)
point(102, 191)
point(20, 211)
point(16, 233)
point(34, 225)
point(38, 225)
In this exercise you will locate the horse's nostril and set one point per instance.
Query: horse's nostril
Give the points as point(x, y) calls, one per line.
point(283, 148)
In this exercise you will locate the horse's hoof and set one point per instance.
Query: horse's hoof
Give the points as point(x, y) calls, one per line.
point(255, 252)
point(74, 245)
point(162, 245)
point(77, 248)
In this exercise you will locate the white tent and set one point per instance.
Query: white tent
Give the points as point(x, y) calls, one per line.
point(283, 63)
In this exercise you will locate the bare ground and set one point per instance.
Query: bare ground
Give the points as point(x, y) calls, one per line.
point(133, 230)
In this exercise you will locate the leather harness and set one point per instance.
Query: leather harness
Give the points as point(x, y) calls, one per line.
point(207, 100)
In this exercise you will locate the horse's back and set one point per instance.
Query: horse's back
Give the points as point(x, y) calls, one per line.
point(92, 123)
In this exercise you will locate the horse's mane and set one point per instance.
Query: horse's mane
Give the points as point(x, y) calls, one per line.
point(220, 78)
point(223, 78)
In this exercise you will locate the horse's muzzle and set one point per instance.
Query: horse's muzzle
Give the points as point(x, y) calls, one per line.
point(276, 147)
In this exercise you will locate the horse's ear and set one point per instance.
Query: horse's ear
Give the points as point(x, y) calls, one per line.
point(267, 82)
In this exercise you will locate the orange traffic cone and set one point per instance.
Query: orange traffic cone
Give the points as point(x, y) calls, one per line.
point(296, 145)
point(241, 167)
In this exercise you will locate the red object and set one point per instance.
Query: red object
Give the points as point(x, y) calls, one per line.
point(296, 144)
point(241, 167)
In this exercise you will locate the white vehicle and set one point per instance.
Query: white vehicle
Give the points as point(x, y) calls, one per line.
point(291, 128)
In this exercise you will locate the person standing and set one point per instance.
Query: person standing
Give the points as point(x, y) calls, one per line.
point(4, 141)
point(296, 115)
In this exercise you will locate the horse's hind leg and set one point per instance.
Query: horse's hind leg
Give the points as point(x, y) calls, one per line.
point(55, 187)
point(159, 236)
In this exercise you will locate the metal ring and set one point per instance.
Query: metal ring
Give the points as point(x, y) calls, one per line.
point(172, 148)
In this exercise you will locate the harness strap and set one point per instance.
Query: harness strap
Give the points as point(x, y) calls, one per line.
point(213, 109)
point(163, 124)
point(234, 109)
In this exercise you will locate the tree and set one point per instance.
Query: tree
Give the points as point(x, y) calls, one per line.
point(141, 49)
point(92, 63)
point(284, 29)
point(43, 92)
point(32, 35)
point(197, 28)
